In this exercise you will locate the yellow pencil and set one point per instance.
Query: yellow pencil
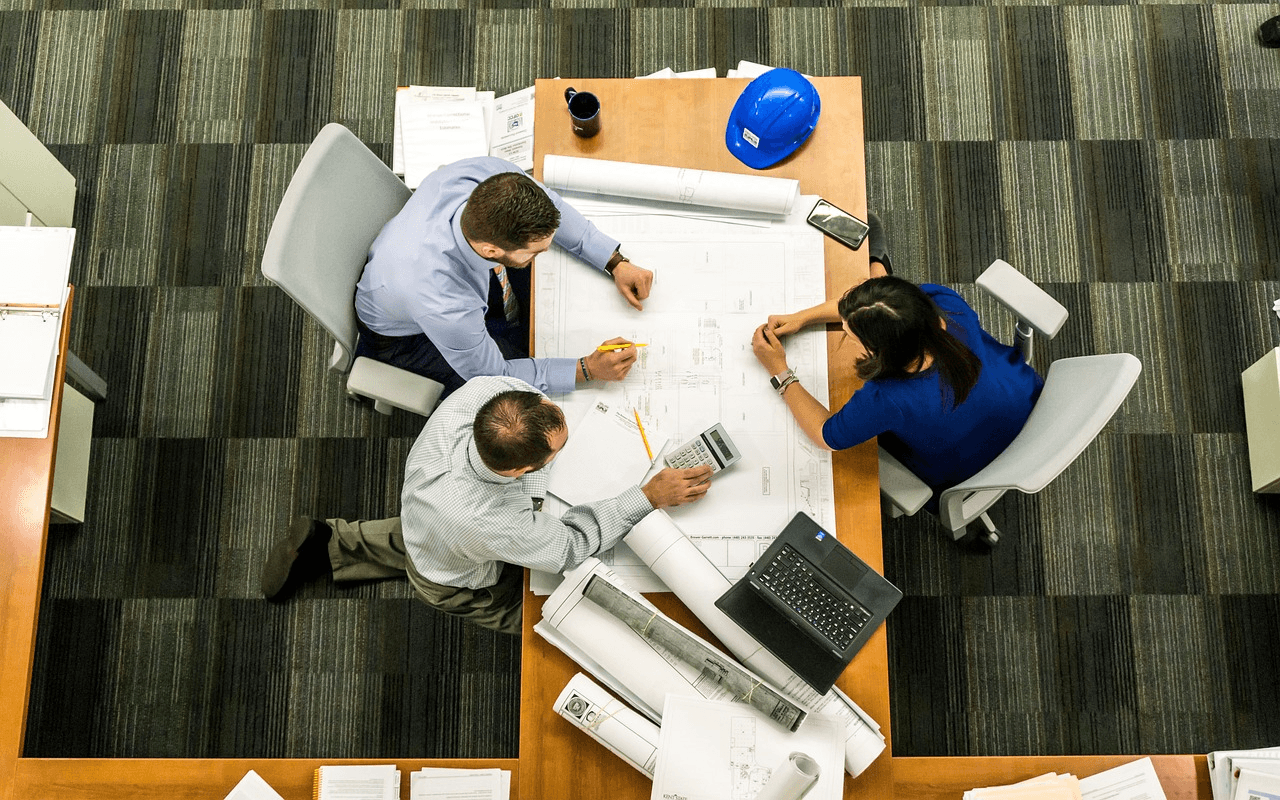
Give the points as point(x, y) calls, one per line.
point(605, 348)
point(643, 438)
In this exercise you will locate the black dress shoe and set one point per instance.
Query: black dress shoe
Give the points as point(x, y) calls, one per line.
point(877, 248)
point(301, 555)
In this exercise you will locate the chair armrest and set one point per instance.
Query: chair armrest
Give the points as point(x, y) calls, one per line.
point(394, 386)
point(901, 487)
point(1020, 295)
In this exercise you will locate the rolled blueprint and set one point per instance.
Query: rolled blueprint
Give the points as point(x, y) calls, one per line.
point(640, 670)
point(607, 719)
point(699, 187)
point(792, 780)
point(651, 625)
point(696, 581)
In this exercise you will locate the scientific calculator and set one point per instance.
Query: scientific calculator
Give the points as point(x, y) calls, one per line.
point(713, 447)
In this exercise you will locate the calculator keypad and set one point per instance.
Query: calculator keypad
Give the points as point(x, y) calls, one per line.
point(694, 454)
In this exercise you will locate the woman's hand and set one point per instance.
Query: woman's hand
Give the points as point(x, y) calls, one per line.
point(784, 324)
point(769, 351)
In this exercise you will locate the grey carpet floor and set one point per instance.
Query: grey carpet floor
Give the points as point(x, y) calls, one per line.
point(1125, 155)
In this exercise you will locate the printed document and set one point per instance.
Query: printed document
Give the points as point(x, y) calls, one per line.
point(711, 750)
point(1133, 781)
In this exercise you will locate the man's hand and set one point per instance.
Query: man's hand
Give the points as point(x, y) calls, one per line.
point(612, 365)
point(675, 487)
point(633, 283)
point(769, 351)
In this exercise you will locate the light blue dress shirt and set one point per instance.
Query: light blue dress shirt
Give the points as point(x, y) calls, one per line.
point(423, 277)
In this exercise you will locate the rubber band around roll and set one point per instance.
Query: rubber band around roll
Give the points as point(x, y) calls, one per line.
point(594, 725)
point(645, 632)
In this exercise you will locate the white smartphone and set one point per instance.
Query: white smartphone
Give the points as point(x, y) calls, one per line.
point(838, 224)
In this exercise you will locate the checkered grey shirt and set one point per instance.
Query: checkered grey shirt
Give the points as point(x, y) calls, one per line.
point(461, 520)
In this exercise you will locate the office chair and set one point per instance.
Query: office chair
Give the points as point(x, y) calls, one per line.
point(1080, 396)
point(338, 200)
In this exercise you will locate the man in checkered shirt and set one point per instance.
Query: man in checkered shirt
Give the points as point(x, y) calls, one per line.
point(471, 511)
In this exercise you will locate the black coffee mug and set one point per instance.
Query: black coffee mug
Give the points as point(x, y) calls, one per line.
point(584, 112)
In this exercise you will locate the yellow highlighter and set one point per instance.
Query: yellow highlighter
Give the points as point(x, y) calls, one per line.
point(608, 348)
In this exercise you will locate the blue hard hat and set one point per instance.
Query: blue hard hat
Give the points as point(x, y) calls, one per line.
point(773, 116)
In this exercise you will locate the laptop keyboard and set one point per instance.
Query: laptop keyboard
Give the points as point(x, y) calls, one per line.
point(789, 576)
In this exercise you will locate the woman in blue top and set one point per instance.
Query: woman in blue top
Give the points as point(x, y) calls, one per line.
point(943, 396)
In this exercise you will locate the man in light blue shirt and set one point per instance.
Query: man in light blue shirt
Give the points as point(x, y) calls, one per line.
point(436, 296)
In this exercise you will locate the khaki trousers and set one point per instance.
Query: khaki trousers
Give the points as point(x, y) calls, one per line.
point(365, 550)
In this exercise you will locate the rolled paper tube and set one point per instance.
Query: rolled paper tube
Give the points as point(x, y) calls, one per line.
point(792, 780)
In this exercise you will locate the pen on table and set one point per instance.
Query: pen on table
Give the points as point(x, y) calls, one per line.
point(605, 348)
point(643, 438)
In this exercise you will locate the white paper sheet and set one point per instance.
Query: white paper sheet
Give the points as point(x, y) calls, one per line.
point(1254, 785)
point(600, 715)
point(511, 132)
point(253, 787)
point(34, 264)
point(504, 775)
point(458, 784)
point(713, 750)
point(421, 94)
point(776, 196)
point(440, 133)
point(1133, 781)
point(604, 456)
point(28, 354)
point(714, 284)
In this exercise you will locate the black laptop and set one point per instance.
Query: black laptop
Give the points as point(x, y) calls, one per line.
point(810, 601)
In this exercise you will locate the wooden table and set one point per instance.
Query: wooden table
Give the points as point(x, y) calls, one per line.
point(681, 123)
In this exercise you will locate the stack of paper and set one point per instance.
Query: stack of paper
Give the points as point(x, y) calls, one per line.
point(1245, 774)
point(439, 783)
point(668, 72)
point(437, 125)
point(750, 69)
point(34, 269)
point(1133, 781)
point(358, 782)
point(1045, 787)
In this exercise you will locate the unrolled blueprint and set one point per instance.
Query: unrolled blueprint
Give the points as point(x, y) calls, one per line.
point(714, 284)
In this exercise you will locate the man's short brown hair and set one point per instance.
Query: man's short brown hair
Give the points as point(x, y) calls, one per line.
point(509, 210)
point(513, 430)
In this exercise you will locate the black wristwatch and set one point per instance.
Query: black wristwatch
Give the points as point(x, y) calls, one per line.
point(777, 380)
point(614, 260)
